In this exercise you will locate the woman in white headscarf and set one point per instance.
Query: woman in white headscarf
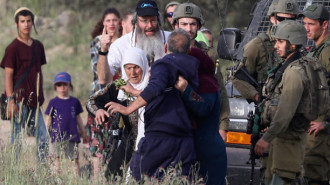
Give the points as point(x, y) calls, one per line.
point(135, 71)
point(134, 56)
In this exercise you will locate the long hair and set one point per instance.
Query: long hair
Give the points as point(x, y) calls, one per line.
point(98, 28)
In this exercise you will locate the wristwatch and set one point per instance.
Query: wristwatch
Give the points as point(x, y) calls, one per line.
point(103, 53)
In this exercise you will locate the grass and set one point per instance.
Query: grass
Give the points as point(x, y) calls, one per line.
point(25, 170)
point(64, 52)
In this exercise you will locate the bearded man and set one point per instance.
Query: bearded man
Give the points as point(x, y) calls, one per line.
point(147, 35)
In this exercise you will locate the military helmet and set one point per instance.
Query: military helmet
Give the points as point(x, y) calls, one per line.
point(289, 30)
point(283, 6)
point(187, 10)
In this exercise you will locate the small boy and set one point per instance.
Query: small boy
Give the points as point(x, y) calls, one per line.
point(63, 120)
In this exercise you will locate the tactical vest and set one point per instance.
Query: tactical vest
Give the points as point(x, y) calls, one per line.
point(272, 57)
point(318, 99)
point(316, 53)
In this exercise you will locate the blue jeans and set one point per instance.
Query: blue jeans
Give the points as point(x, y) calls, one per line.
point(28, 118)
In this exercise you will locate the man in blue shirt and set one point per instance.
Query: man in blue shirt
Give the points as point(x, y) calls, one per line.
point(168, 128)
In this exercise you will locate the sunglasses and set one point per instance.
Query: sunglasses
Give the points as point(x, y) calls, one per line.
point(280, 19)
point(169, 14)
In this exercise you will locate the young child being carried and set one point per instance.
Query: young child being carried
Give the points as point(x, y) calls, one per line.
point(63, 120)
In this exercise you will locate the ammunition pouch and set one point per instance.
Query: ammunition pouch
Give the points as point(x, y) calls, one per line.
point(269, 110)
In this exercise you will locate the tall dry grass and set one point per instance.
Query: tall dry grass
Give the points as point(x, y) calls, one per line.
point(26, 170)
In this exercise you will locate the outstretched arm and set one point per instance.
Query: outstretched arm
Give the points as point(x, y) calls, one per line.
point(115, 107)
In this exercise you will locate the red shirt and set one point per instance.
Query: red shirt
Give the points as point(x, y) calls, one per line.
point(18, 56)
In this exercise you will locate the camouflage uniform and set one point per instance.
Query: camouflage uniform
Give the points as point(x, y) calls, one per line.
point(317, 156)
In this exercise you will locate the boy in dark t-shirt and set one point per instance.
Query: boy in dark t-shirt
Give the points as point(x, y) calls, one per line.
point(25, 56)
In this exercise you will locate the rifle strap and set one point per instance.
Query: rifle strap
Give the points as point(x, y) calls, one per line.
point(280, 70)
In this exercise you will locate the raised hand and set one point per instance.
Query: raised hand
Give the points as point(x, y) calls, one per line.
point(106, 39)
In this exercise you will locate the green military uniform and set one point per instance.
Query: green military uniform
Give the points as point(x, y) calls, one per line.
point(259, 54)
point(259, 57)
point(317, 156)
point(224, 109)
point(287, 131)
point(286, 92)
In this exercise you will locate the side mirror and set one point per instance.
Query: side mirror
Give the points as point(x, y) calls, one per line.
point(228, 41)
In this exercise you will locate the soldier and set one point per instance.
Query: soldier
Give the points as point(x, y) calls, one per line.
point(286, 92)
point(259, 54)
point(317, 156)
point(168, 14)
point(188, 17)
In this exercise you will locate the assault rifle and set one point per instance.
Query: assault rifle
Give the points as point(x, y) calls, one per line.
point(114, 137)
point(253, 125)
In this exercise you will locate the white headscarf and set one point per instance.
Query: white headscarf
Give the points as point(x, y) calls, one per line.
point(138, 57)
point(134, 56)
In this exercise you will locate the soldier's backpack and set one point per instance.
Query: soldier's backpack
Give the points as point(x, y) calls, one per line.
point(317, 101)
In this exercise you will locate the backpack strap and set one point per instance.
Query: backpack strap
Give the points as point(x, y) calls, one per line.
point(317, 51)
point(280, 70)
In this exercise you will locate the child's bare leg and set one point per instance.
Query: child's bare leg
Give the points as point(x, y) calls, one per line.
point(77, 166)
point(57, 165)
point(96, 167)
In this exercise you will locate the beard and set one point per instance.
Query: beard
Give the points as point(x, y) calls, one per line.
point(153, 46)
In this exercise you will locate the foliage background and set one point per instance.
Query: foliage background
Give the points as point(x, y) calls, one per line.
point(64, 27)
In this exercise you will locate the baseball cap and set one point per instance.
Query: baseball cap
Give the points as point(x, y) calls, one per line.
point(62, 77)
point(147, 7)
point(316, 11)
